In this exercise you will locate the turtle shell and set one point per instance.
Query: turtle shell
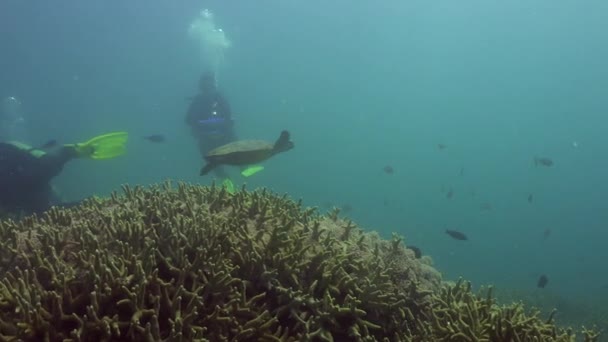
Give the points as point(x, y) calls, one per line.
point(241, 152)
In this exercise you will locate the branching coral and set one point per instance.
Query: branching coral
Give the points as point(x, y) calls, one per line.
point(195, 263)
point(200, 264)
point(459, 315)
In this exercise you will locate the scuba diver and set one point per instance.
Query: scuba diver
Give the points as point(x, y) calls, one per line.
point(12, 121)
point(210, 118)
point(26, 172)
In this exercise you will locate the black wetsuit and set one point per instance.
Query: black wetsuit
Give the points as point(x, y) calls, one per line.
point(25, 178)
point(210, 119)
point(209, 106)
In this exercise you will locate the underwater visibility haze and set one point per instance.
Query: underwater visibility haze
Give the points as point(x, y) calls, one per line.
point(474, 129)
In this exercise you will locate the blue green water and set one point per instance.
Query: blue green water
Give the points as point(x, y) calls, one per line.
point(360, 85)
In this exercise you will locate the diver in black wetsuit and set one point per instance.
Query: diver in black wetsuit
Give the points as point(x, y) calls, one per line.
point(26, 172)
point(25, 175)
point(210, 118)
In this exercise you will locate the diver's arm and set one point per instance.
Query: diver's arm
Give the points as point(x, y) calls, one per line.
point(191, 114)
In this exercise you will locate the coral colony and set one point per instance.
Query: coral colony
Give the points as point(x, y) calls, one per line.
point(197, 263)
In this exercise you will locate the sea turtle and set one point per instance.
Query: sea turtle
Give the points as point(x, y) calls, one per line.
point(246, 152)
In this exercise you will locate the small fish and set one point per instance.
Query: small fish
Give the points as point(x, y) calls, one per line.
point(530, 198)
point(442, 146)
point(546, 233)
point(542, 281)
point(543, 161)
point(456, 235)
point(450, 194)
point(416, 250)
point(461, 171)
point(388, 170)
point(155, 138)
point(346, 208)
point(485, 206)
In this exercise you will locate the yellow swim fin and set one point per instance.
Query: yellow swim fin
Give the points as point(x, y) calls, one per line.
point(252, 170)
point(105, 146)
point(227, 183)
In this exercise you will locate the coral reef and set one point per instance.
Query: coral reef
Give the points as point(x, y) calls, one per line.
point(200, 264)
point(459, 315)
point(588, 309)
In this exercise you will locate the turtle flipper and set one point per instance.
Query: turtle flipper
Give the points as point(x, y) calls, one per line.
point(207, 168)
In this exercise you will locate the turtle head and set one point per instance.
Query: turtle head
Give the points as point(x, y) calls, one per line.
point(283, 143)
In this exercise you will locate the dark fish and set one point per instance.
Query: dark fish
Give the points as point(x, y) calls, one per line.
point(542, 281)
point(546, 233)
point(581, 258)
point(416, 250)
point(461, 171)
point(543, 161)
point(385, 202)
point(388, 170)
point(456, 235)
point(155, 138)
point(530, 198)
point(485, 206)
point(442, 146)
point(347, 208)
point(450, 194)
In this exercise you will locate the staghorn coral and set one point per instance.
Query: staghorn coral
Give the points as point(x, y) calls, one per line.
point(590, 310)
point(199, 264)
point(459, 315)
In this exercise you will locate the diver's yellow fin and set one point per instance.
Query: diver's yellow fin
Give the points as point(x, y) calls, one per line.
point(252, 170)
point(106, 146)
point(227, 183)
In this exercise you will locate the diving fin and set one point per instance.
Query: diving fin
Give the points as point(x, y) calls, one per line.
point(227, 183)
point(252, 170)
point(106, 146)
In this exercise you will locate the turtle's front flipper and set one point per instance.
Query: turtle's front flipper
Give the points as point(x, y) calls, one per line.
point(205, 170)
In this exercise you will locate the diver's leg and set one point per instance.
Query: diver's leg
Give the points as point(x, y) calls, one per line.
point(51, 164)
